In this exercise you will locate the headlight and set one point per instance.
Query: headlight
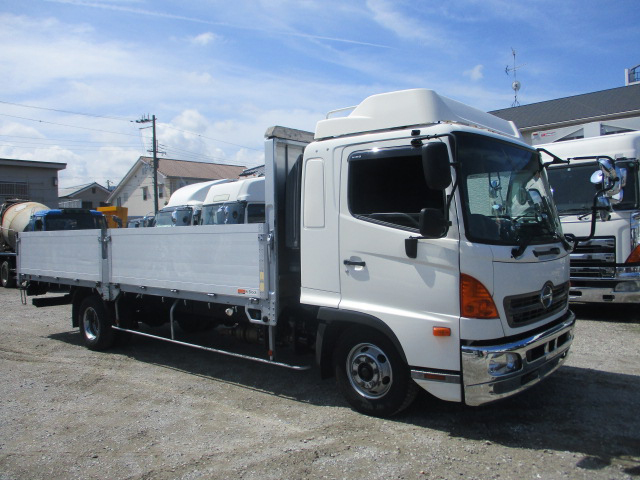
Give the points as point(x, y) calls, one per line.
point(504, 363)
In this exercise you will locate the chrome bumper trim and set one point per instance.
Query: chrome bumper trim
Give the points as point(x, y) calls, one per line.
point(601, 295)
point(540, 354)
point(435, 376)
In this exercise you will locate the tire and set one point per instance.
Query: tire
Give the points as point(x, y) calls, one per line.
point(7, 280)
point(371, 374)
point(95, 324)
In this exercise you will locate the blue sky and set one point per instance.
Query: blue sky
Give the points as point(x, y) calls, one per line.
point(217, 74)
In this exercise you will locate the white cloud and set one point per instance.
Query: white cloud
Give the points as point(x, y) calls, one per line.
point(204, 39)
point(475, 74)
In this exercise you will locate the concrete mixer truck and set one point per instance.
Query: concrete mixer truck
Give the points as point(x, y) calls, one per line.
point(14, 217)
point(18, 216)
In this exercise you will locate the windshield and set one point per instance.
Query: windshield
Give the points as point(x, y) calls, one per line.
point(178, 217)
point(506, 195)
point(74, 221)
point(223, 213)
point(573, 191)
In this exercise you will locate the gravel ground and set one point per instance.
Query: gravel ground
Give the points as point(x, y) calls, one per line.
point(155, 410)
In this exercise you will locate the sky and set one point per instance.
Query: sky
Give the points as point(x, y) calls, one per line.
point(75, 75)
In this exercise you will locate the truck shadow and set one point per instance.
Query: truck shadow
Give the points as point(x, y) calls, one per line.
point(618, 313)
point(593, 413)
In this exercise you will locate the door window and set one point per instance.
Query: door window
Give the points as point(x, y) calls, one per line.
point(387, 186)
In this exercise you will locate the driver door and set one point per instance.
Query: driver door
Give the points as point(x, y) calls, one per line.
point(382, 193)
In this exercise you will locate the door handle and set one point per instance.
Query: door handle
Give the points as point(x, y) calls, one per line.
point(355, 264)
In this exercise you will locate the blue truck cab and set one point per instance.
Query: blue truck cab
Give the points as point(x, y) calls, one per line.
point(66, 219)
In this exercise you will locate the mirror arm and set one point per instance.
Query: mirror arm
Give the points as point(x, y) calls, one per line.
point(556, 160)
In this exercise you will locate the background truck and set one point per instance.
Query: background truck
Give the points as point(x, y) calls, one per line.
point(605, 268)
point(241, 201)
point(14, 218)
point(412, 243)
point(185, 205)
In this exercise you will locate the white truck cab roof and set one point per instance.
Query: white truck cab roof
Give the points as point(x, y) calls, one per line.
point(193, 194)
point(617, 145)
point(408, 108)
point(249, 190)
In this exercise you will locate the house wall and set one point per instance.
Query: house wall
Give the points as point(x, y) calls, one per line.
point(92, 197)
point(29, 182)
point(132, 194)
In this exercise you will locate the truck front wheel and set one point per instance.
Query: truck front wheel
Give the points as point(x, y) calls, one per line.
point(7, 280)
point(95, 324)
point(371, 375)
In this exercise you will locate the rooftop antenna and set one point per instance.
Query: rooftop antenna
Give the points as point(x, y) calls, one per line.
point(515, 85)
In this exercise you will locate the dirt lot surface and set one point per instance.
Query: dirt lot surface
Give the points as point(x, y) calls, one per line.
point(152, 410)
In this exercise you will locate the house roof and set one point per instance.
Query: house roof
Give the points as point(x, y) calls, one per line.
point(188, 169)
point(172, 168)
point(258, 171)
point(588, 106)
point(69, 191)
point(10, 162)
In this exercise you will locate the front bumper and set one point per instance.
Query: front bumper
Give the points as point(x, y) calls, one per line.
point(617, 290)
point(540, 355)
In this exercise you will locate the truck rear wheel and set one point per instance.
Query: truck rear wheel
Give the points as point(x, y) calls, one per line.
point(371, 374)
point(7, 280)
point(95, 324)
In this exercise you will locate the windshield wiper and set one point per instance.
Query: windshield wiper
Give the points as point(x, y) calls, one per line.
point(524, 241)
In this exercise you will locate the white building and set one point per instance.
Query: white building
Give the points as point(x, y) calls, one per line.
point(135, 191)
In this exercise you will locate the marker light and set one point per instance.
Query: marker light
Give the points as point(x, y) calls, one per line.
point(441, 332)
point(475, 300)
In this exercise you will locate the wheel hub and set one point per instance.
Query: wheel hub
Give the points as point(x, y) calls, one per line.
point(90, 323)
point(369, 370)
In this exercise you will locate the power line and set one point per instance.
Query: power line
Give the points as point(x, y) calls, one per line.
point(57, 140)
point(65, 111)
point(71, 126)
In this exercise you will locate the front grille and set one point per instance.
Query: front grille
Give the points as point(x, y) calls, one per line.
point(594, 258)
point(528, 308)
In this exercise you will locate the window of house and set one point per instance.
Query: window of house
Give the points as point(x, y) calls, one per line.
point(14, 189)
point(93, 190)
point(145, 193)
point(160, 191)
point(388, 187)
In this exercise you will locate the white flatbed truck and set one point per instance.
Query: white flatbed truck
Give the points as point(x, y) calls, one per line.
point(411, 243)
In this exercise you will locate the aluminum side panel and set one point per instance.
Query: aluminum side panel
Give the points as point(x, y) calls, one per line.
point(220, 259)
point(71, 254)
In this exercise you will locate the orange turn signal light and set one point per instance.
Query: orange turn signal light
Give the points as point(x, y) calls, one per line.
point(441, 332)
point(475, 299)
point(635, 255)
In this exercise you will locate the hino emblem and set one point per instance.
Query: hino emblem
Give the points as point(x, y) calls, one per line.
point(546, 295)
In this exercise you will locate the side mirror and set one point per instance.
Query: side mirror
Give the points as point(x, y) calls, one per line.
point(436, 165)
point(433, 223)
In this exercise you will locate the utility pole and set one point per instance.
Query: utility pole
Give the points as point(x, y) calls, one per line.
point(155, 159)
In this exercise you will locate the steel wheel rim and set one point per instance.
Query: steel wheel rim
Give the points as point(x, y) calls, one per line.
point(369, 371)
point(90, 324)
point(4, 273)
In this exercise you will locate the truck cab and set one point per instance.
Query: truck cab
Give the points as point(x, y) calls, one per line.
point(443, 232)
point(66, 219)
point(235, 202)
point(185, 205)
point(606, 267)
